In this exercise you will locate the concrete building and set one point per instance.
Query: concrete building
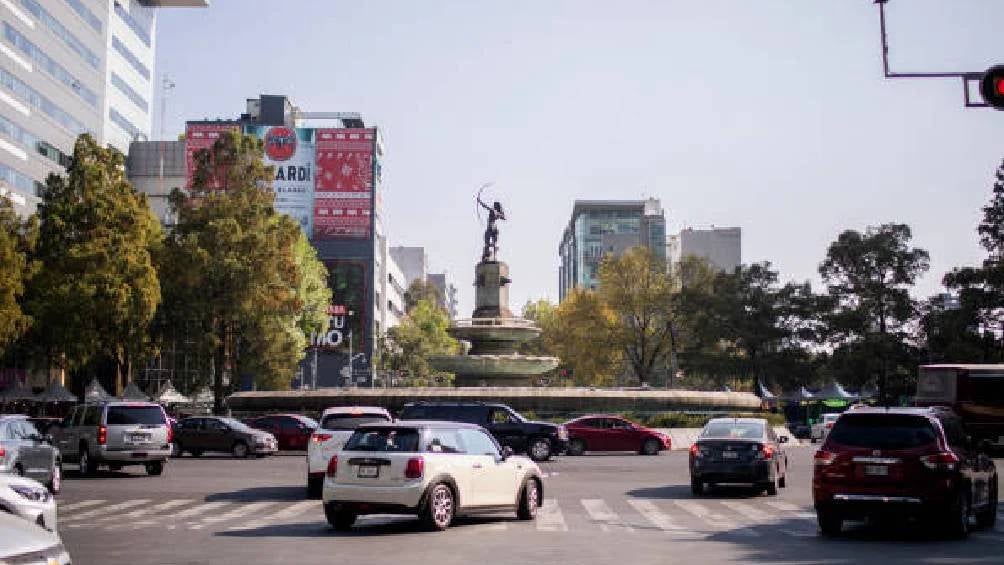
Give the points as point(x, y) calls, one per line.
point(413, 261)
point(599, 228)
point(391, 288)
point(70, 67)
point(722, 247)
point(447, 290)
point(155, 168)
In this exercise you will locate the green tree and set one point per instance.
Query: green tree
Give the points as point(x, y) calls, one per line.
point(420, 335)
point(97, 290)
point(543, 313)
point(17, 242)
point(313, 291)
point(580, 333)
point(868, 277)
point(420, 290)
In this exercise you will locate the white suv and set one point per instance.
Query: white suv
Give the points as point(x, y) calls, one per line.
point(334, 429)
point(435, 470)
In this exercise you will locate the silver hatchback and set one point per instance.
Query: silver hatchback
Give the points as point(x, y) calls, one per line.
point(26, 452)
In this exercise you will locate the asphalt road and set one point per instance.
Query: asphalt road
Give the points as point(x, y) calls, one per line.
point(599, 509)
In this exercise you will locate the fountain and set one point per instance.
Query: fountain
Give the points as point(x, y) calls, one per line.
point(493, 332)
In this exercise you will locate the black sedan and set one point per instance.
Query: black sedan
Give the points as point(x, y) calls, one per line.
point(738, 451)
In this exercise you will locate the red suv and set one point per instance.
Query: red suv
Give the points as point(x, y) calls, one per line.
point(905, 462)
point(291, 431)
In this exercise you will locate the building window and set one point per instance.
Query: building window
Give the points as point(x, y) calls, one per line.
point(139, 27)
point(131, 94)
point(61, 32)
point(26, 138)
point(124, 123)
point(18, 180)
point(86, 14)
point(42, 103)
point(50, 66)
point(130, 57)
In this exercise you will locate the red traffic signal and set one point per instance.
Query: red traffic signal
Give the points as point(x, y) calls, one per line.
point(992, 87)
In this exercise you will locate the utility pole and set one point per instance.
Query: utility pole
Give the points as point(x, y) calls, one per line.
point(314, 369)
point(349, 378)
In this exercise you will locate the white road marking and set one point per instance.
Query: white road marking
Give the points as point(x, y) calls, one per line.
point(713, 519)
point(550, 518)
point(144, 511)
point(288, 512)
point(657, 517)
point(186, 513)
point(601, 513)
point(747, 511)
point(238, 512)
point(77, 505)
point(107, 509)
point(792, 509)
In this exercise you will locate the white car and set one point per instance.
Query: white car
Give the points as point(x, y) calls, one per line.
point(822, 427)
point(334, 429)
point(28, 499)
point(22, 542)
point(435, 470)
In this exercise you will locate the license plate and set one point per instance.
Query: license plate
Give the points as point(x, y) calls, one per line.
point(369, 471)
point(730, 455)
point(138, 455)
point(876, 470)
point(139, 438)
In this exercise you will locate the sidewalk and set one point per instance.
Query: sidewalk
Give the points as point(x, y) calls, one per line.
point(683, 438)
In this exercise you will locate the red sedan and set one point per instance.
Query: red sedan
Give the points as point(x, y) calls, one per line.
point(291, 431)
point(601, 432)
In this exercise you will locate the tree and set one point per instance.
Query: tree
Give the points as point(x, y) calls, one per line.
point(868, 277)
point(17, 242)
point(543, 313)
point(580, 332)
point(313, 290)
point(97, 290)
point(420, 290)
point(420, 335)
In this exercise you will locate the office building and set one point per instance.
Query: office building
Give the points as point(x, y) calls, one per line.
point(599, 228)
point(413, 261)
point(69, 67)
point(155, 168)
point(447, 292)
point(722, 247)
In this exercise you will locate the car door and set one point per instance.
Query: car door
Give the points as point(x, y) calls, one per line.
point(780, 457)
point(622, 436)
point(218, 435)
point(36, 456)
point(507, 429)
point(452, 458)
point(190, 434)
point(65, 434)
point(492, 477)
point(971, 465)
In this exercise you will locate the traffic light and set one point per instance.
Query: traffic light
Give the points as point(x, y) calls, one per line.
point(992, 87)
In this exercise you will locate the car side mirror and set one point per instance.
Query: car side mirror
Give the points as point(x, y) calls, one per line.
point(782, 439)
point(507, 452)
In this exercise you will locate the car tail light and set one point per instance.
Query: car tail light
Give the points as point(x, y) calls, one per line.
point(170, 433)
point(824, 458)
point(695, 451)
point(333, 466)
point(765, 451)
point(415, 468)
point(944, 461)
point(102, 435)
point(3, 452)
point(320, 438)
point(829, 425)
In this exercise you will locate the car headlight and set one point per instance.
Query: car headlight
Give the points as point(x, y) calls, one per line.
point(34, 494)
point(562, 433)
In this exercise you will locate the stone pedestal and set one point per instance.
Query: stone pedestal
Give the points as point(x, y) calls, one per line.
point(491, 290)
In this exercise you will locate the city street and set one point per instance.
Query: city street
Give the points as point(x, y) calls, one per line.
point(598, 509)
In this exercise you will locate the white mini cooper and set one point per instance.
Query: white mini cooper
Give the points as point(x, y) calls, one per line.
point(435, 470)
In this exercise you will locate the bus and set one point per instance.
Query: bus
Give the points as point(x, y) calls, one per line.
point(975, 392)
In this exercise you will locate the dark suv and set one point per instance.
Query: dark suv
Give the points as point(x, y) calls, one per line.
point(539, 440)
point(907, 463)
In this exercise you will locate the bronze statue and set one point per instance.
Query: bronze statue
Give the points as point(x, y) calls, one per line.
point(495, 213)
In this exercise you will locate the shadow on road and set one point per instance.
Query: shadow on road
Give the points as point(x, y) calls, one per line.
point(365, 527)
point(255, 494)
point(677, 492)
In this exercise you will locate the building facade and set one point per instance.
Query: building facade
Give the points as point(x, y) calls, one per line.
point(413, 261)
point(69, 67)
point(447, 292)
point(722, 247)
point(155, 168)
point(599, 228)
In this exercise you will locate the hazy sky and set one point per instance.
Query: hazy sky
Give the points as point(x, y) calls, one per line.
point(771, 115)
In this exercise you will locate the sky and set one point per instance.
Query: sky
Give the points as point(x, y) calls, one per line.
point(770, 115)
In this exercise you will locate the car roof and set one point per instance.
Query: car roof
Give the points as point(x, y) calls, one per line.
point(464, 404)
point(111, 403)
point(739, 420)
point(420, 424)
point(354, 410)
point(589, 416)
point(902, 410)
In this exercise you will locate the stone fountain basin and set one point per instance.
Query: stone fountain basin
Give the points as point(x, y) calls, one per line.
point(493, 365)
point(500, 330)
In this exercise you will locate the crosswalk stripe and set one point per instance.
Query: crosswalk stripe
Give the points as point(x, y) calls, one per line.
point(601, 513)
point(714, 519)
point(145, 511)
point(550, 518)
point(78, 505)
point(288, 512)
point(238, 512)
point(792, 509)
point(747, 510)
point(651, 512)
point(106, 509)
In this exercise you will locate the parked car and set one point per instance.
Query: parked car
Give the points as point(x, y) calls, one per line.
point(42, 424)
point(27, 499)
point(211, 433)
point(117, 434)
point(823, 427)
point(27, 453)
point(23, 542)
point(738, 451)
point(800, 431)
point(540, 440)
point(909, 463)
point(601, 432)
point(335, 428)
point(292, 431)
point(435, 470)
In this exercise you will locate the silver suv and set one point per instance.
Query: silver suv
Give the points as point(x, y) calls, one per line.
point(26, 452)
point(116, 434)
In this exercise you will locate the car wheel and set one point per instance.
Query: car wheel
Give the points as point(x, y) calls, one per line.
point(783, 481)
point(177, 450)
point(55, 483)
point(315, 485)
point(86, 465)
point(771, 488)
point(650, 447)
point(830, 523)
point(957, 518)
point(196, 452)
point(19, 470)
point(697, 487)
point(439, 508)
point(988, 517)
point(529, 500)
point(339, 518)
point(240, 450)
point(155, 468)
point(540, 449)
point(576, 447)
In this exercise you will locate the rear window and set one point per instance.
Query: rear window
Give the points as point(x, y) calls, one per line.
point(350, 421)
point(469, 414)
point(133, 415)
point(732, 430)
point(384, 440)
point(883, 431)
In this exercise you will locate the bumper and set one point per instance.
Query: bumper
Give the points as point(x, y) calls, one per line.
point(43, 514)
point(744, 472)
point(265, 449)
point(861, 505)
point(137, 456)
point(399, 497)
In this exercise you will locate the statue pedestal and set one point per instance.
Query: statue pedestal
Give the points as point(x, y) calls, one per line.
point(491, 290)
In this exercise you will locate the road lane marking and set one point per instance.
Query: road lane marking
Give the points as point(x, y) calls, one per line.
point(107, 509)
point(792, 509)
point(78, 505)
point(186, 513)
point(145, 511)
point(747, 511)
point(600, 513)
point(550, 518)
point(713, 519)
point(657, 517)
point(238, 512)
point(288, 512)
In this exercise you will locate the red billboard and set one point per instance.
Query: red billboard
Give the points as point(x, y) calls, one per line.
point(201, 136)
point(343, 188)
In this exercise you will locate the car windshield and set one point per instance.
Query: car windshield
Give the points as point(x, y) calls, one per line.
point(341, 422)
point(236, 425)
point(135, 415)
point(384, 439)
point(732, 430)
point(883, 431)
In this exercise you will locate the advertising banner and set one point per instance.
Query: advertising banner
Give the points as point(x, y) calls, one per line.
point(343, 190)
point(201, 136)
point(290, 152)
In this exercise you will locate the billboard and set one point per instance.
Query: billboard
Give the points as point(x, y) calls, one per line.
point(201, 136)
point(290, 152)
point(343, 191)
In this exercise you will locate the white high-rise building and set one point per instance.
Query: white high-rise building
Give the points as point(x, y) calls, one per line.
point(722, 247)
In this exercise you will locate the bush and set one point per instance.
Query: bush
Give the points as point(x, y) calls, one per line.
point(697, 420)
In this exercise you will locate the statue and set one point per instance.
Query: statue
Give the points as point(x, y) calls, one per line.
point(495, 213)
